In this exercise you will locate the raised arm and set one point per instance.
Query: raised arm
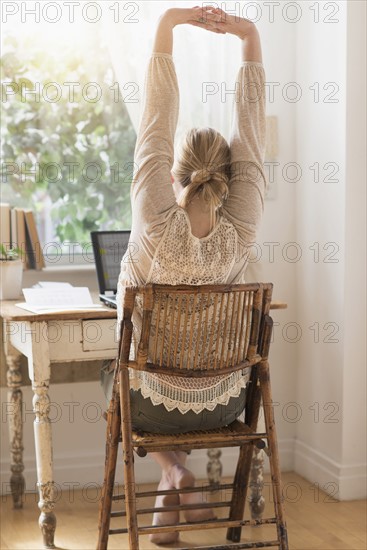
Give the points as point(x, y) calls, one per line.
point(151, 192)
point(152, 195)
point(244, 205)
point(251, 45)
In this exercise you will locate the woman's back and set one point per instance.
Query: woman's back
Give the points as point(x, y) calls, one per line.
point(182, 258)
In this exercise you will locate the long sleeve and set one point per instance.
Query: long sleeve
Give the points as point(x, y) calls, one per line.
point(152, 196)
point(245, 203)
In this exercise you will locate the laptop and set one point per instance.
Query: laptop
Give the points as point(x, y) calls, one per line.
point(109, 248)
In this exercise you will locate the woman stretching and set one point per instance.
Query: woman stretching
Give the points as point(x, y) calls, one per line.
point(193, 222)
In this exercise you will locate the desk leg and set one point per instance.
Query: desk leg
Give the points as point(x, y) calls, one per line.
point(45, 483)
point(257, 501)
point(39, 368)
point(214, 466)
point(14, 381)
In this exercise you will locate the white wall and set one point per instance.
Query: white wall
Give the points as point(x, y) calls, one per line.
point(354, 373)
point(329, 446)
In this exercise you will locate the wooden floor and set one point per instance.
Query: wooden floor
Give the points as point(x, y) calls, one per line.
point(315, 521)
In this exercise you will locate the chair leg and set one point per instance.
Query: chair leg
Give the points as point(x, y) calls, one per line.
point(128, 460)
point(242, 475)
point(273, 455)
point(112, 442)
point(240, 485)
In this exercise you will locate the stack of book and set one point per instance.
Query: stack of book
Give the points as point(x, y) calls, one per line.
point(18, 230)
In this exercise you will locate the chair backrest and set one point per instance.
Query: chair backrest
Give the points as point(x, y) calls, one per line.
point(197, 331)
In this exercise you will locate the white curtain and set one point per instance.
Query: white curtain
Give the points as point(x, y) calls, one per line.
point(204, 61)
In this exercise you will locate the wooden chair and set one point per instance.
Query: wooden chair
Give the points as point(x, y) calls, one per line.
point(223, 328)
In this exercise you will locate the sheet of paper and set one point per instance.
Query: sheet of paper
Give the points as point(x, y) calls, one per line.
point(58, 309)
point(52, 284)
point(56, 297)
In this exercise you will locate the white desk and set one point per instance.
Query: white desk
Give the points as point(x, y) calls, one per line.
point(55, 338)
point(46, 339)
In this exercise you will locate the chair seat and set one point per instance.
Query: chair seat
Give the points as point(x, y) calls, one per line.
point(234, 434)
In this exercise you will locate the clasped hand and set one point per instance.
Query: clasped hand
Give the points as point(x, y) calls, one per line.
point(210, 18)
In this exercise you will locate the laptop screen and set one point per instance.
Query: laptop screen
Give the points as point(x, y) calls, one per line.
point(109, 248)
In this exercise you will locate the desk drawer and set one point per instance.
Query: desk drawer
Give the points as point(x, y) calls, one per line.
point(99, 335)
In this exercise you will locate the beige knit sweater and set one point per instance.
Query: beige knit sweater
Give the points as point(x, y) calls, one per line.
point(163, 249)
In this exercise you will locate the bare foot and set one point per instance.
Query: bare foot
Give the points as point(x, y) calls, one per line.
point(165, 518)
point(182, 478)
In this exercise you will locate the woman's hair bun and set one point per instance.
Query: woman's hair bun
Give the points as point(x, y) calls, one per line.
point(203, 168)
point(199, 177)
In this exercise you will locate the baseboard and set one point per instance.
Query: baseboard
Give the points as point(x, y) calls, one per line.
point(85, 471)
point(78, 471)
point(343, 482)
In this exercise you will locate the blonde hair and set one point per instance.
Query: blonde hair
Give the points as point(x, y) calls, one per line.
point(203, 169)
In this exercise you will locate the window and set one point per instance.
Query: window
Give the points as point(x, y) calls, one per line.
point(67, 138)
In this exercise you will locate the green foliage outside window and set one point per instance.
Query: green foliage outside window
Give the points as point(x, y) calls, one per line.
point(72, 160)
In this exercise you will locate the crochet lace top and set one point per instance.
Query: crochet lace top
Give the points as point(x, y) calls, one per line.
point(162, 248)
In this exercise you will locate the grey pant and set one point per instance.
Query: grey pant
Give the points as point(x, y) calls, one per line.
point(156, 419)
